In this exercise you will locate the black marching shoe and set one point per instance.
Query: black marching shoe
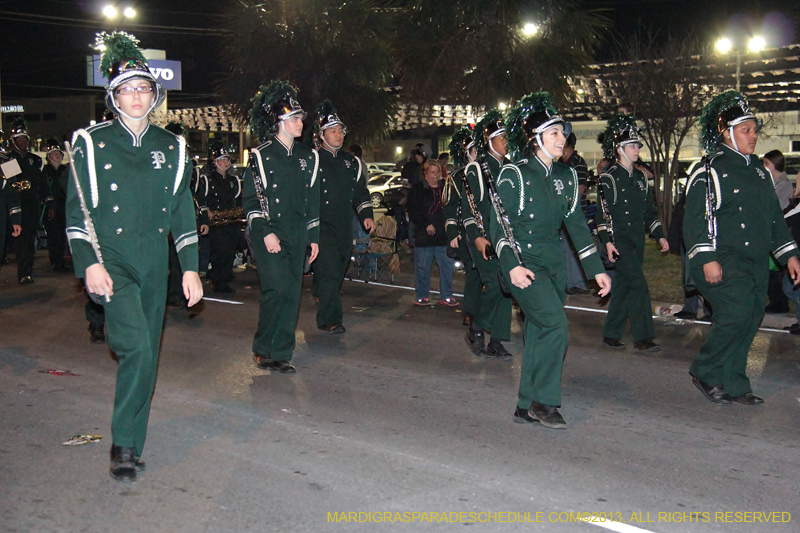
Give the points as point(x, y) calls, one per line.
point(496, 350)
point(522, 416)
point(262, 361)
point(338, 329)
point(714, 393)
point(748, 398)
point(547, 415)
point(96, 334)
point(123, 463)
point(608, 342)
point(25, 280)
point(647, 345)
point(476, 341)
point(284, 367)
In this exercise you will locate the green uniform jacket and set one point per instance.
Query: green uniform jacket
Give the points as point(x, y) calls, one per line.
point(291, 192)
point(119, 172)
point(750, 223)
point(343, 184)
point(537, 201)
point(9, 199)
point(480, 192)
point(223, 192)
point(31, 166)
point(630, 204)
point(453, 214)
point(200, 195)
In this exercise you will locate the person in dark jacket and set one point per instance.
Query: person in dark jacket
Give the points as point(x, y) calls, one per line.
point(430, 240)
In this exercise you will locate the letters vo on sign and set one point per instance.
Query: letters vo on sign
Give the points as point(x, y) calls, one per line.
point(166, 71)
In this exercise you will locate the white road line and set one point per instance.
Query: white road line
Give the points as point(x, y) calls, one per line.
point(619, 527)
point(222, 301)
point(573, 307)
point(394, 286)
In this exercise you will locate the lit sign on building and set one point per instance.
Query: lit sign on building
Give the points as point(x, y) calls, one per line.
point(12, 109)
point(165, 71)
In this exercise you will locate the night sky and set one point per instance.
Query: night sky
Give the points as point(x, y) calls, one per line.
point(44, 42)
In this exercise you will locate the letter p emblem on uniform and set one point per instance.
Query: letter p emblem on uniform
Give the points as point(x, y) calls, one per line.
point(158, 159)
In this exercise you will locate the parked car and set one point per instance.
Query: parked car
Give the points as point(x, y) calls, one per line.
point(380, 168)
point(385, 189)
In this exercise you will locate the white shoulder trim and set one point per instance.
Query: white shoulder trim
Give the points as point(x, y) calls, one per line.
point(480, 176)
point(181, 163)
point(89, 163)
point(316, 168)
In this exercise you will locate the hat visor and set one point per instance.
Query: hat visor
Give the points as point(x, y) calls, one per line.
point(292, 113)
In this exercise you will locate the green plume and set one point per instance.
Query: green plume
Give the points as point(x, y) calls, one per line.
point(115, 48)
point(518, 137)
point(491, 116)
point(323, 109)
point(617, 123)
point(178, 128)
point(262, 122)
point(461, 138)
point(709, 119)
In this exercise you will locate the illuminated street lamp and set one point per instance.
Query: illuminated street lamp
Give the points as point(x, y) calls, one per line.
point(112, 13)
point(530, 29)
point(725, 45)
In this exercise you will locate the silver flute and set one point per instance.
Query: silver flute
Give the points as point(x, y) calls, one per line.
point(87, 217)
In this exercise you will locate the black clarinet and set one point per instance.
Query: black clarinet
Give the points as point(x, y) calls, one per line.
point(262, 200)
point(500, 212)
point(476, 212)
point(711, 209)
point(601, 195)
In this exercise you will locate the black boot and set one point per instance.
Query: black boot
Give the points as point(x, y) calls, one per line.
point(123, 463)
point(96, 333)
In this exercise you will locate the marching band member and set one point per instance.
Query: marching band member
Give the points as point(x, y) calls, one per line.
point(131, 190)
point(281, 202)
point(629, 204)
point(494, 307)
point(343, 184)
point(538, 195)
point(733, 222)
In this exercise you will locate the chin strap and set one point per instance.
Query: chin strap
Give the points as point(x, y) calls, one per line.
point(542, 148)
point(333, 149)
point(628, 159)
point(733, 140)
point(123, 113)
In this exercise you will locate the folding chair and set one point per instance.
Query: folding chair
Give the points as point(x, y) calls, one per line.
point(376, 257)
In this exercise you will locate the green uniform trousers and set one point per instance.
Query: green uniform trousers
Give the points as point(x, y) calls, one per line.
point(26, 242)
point(738, 303)
point(134, 320)
point(329, 270)
point(470, 305)
point(630, 297)
point(545, 332)
point(494, 307)
point(281, 278)
point(224, 240)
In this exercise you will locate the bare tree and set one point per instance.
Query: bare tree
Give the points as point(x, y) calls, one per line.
point(663, 85)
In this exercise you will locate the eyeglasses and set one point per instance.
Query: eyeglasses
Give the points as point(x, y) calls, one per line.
point(142, 89)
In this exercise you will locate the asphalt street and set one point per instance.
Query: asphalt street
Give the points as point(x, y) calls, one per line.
point(396, 416)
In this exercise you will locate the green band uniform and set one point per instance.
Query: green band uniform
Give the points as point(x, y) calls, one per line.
point(137, 191)
point(750, 226)
point(630, 204)
point(288, 178)
point(343, 187)
point(494, 307)
point(538, 200)
point(454, 227)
